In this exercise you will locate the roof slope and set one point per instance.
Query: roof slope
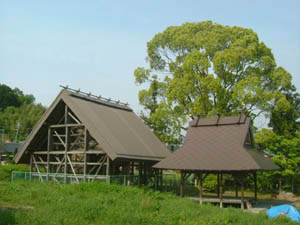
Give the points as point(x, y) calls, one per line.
point(117, 129)
point(213, 144)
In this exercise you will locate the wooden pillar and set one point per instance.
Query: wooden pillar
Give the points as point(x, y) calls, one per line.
point(140, 174)
point(255, 186)
point(66, 144)
point(108, 166)
point(182, 184)
point(132, 168)
point(86, 143)
point(30, 165)
point(236, 189)
point(221, 190)
point(161, 177)
point(218, 184)
point(49, 147)
point(242, 192)
point(200, 188)
point(145, 174)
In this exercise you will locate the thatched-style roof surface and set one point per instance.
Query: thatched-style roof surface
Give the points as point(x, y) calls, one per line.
point(218, 144)
point(117, 129)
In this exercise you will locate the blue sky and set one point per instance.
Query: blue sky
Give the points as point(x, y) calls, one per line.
point(96, 45)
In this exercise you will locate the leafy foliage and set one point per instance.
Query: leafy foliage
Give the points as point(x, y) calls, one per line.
point(17, 108)
point(204, 68)
point(99, 203)
point(13, 97)
point(6, 170)
point(286, 151)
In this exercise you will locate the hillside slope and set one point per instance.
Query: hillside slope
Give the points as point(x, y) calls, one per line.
point(36, 203)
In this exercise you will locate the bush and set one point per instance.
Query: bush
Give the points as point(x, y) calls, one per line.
point(6, 171)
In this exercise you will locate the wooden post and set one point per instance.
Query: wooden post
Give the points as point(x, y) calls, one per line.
point(140, 174)
point(200, 187)
point(66, 144)
point(182, 184)
point(236, 189)
point(221, 190)
point(255, 186)
point(242, 194)
point(107, 166)
point(49, 147)
point(30, 165)
point(218, 184)
point(86, 143)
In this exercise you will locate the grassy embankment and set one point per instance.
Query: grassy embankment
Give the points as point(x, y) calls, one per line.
point(98, 203)
point(35, 203)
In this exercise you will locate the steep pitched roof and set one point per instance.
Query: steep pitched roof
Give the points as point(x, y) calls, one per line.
point(213, 144)
point(117, 129)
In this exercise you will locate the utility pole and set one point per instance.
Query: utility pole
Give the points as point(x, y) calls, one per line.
point(17, 132)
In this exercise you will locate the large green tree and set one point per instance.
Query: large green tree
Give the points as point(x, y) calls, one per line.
point(286, 154)
point(13, 97)
point(17, 111)
point(204, 68)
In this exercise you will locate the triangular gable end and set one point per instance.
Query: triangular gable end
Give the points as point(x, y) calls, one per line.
point(54, 118)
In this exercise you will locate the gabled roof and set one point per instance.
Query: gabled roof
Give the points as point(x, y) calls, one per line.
point(217, 144)
point(116, 128)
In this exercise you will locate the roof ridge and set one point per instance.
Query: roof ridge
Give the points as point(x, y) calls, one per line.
point(99, 97)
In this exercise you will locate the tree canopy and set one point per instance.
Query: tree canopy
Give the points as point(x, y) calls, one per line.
point(17, 108)
point(205, 68)
point(13, 97)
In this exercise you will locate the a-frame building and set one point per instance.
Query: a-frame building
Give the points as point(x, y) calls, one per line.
point(87, 136)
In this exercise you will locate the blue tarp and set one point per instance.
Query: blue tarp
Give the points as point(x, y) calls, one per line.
point(286, 209)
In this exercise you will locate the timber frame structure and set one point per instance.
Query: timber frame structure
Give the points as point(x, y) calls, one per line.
point(219, 145)
point(89, 137)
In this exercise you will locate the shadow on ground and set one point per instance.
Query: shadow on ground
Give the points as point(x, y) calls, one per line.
point(7, 216)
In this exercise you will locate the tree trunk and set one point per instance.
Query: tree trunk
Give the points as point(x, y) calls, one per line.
point(280, 184)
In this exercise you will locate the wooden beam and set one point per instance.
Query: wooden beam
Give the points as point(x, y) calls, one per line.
point(86, 145)
point(60, 164)
point(97, 152)
point(221, 190)
point(66, 125)
point(108, 166)
point(236, 189)
point(49, 147)
point(99, 162)
point(37, 168)
point(242, 193)
point(30, 165)
point(99, 168)
point(200, 187)
point(218, 185)
point(60, 139)
point(255, 186)
point(66, 143)
point(182, 184)
point(72, 168)
point(73, 117)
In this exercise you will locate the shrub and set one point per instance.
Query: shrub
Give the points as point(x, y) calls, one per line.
point(6, 171)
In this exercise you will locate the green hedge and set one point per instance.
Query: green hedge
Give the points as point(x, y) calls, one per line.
point(6, 170)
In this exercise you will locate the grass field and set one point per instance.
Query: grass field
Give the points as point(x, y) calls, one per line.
point(35, 203)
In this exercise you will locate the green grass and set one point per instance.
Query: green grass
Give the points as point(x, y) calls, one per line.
point(35, 203)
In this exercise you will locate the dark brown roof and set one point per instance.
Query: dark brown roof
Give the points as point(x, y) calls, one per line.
point(217, 145)
point(117, 129)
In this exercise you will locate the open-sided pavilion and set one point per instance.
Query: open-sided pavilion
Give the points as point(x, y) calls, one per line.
point(218, 145)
